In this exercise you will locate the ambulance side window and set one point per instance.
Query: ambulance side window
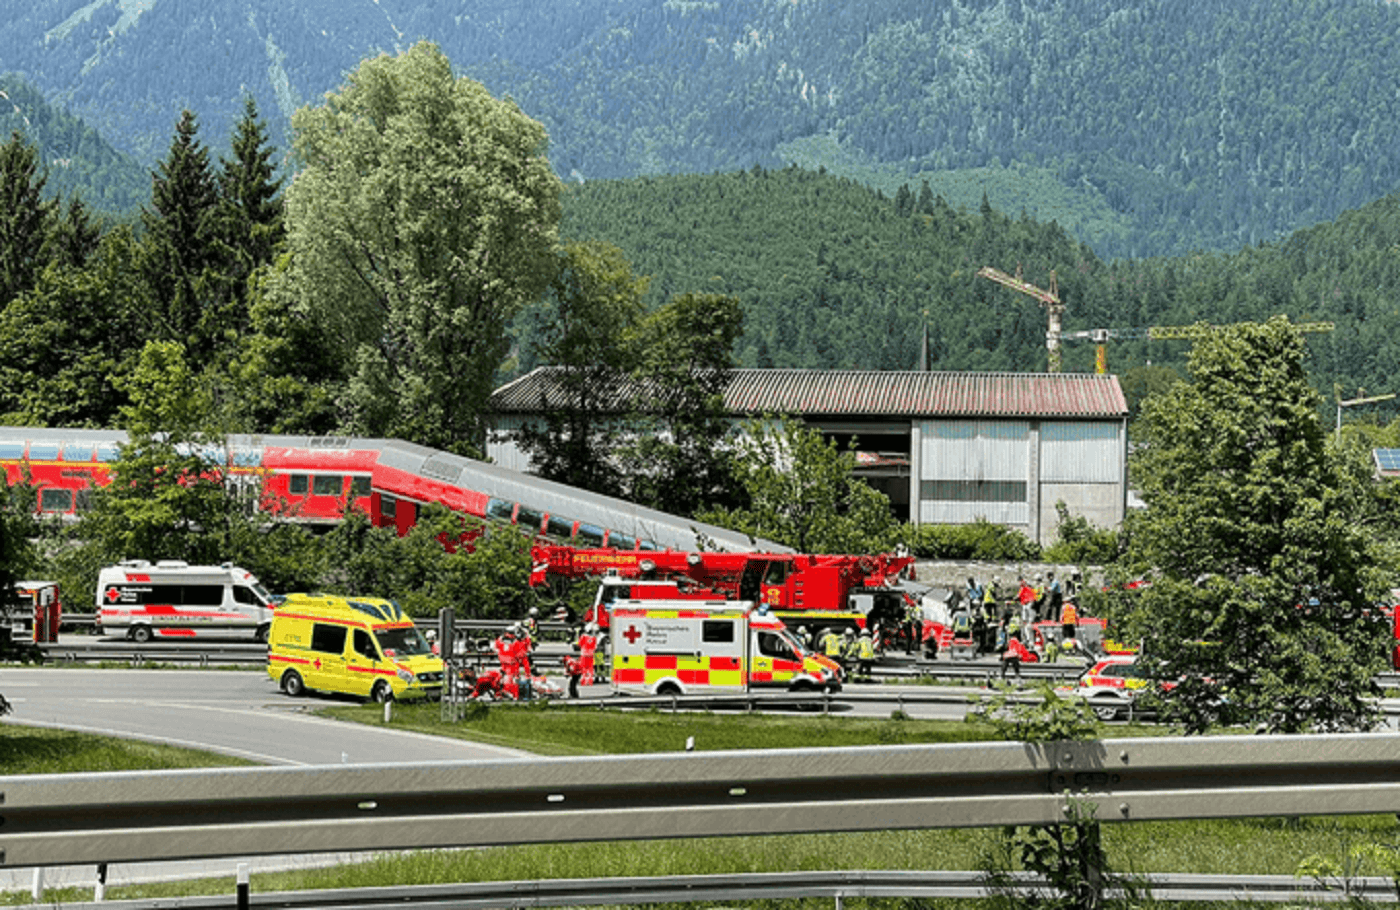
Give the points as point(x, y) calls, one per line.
point(717, 631)
point(773, 645)
point(328, 639)
point(364, 645)
point(245, 595)
point(203, 595)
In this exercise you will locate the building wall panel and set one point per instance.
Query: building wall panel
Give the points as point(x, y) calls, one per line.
point(1081, 452)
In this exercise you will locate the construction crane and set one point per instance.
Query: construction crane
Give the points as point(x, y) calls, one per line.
point(1050, 299)
point(1165, 333)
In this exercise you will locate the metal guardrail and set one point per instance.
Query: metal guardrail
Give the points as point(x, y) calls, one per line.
point(67, 819)
point(641, 891)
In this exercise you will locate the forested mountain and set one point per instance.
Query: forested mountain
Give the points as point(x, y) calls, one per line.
point(75, 157)
point(833, 275)
point(1143, 128)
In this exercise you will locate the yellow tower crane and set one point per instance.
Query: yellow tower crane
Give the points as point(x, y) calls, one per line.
point(1165, 333)
point(1050, 299)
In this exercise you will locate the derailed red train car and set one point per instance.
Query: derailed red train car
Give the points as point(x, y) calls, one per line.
point(317, 480)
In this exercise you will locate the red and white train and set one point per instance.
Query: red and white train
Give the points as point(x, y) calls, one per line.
point(316, 479)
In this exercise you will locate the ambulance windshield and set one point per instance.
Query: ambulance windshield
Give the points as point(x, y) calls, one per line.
point(777, 644)
point(405, 642)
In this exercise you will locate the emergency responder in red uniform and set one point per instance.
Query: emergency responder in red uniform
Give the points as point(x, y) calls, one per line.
point(587, 648)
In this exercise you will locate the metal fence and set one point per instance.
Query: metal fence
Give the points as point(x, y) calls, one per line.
point(68, 819)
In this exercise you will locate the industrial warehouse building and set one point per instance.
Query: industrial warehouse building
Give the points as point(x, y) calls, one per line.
point(947, 448)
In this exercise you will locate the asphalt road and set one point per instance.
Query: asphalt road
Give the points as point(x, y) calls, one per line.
point(233, 712)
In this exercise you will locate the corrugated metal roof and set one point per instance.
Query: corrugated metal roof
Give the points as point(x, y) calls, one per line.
point(868, 393)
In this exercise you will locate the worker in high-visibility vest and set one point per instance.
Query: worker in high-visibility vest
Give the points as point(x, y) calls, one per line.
point(865, 655)
point(1069, 620)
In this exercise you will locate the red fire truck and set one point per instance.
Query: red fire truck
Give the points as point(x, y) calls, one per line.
point(818, 591)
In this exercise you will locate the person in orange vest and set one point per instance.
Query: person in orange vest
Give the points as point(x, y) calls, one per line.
point(1069, 620)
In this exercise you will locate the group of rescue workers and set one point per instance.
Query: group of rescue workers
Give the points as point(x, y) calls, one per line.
point(1013, 627)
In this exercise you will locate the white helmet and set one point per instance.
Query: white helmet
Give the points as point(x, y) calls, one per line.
point(534, 611)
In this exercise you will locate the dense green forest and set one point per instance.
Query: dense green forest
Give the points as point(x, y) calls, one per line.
point(1144, 129)
point(79, 161)
point(833, 275)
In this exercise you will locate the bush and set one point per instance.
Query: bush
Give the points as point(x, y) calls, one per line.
point(981, 540)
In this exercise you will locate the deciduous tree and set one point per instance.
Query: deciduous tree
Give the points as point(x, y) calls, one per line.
point(423, 217)
point(803, 493)
point(1262, 605)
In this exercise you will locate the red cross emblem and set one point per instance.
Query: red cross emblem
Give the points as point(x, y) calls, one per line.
point(113, 595)
point(632, 634)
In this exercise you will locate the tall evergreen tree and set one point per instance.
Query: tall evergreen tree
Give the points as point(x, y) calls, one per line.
point(250, 211)
point(179, 225)
point(26, 218)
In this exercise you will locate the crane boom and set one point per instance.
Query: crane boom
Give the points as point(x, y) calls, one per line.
point(1049, 298)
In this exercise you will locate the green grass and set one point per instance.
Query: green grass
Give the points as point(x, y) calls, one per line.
point(546, 729)
point(1246, 846)
point(37, 750)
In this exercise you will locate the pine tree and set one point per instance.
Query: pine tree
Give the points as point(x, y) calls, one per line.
point(179, 225)
point(26, 218)
point(250, 214)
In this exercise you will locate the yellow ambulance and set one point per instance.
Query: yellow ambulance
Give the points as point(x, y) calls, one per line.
point(364, 646)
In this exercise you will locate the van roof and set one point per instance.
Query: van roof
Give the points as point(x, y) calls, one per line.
point(375, 609)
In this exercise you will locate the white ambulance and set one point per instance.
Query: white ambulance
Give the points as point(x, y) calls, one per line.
point(676, 647)
point(175, 600)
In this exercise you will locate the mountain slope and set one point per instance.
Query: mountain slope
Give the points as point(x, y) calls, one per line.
point(76, 159)
point(1167, 126)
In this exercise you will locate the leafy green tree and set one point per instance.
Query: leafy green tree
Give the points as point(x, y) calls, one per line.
point(66, 344)
point(167, 498)
point(980, 539)
point(803, 493)
point(595, 305)
point(424, 217)
point(678, 461)
point(1262, 602)
point(26, 218)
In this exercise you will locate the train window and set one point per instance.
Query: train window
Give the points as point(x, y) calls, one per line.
point(561, 528)
point(500, 509)
point(388, 506)
point(43, 451)
point(55, 499)
point(359, 486)
point(13, 450)
point(590, 534)
point(327, 485)
point(83, 500)
point(298, 484)
point(621, 541)
point(645, 545)
point(109, 451)
point(529, 519)
point(77, 451)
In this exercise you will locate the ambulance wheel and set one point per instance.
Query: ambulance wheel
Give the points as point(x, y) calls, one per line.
point(140, 634)
point(292, 684)
point(668, 688)
point(260, 636)
point(381, 693)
